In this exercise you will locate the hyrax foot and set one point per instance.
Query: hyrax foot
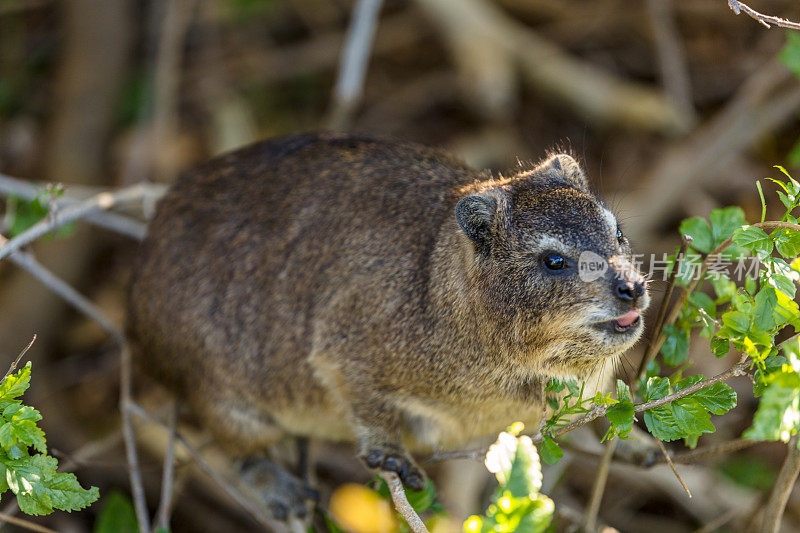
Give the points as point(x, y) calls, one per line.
point(391, 461)
point(283, 494)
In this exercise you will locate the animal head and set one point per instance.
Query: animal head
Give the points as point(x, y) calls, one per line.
point(553, 269)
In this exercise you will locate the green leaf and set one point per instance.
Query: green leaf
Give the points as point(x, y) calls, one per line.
point(725, 221)
point(117, 515)
point(702, 237)
point(720, 347)
point(40, 489)
point(719, 398)
point(16, 384)
point(778, 414)
point(662, 425)
point(623, 392)
point(737, 321)
point(765, 303)
point(754, 239)
point(656, 388)
point(787, 242)
point(790, 53)
point(525, 476)
point(691, 417)
point(676, 345)
point(550, 451)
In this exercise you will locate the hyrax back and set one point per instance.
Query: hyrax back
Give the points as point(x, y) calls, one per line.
point(362, 289)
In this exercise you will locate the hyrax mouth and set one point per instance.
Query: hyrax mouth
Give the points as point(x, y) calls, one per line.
point(624, 324)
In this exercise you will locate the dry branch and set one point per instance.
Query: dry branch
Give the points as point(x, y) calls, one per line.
point(739, 7)
point(783, 488)
point(355, 58)
point(168, 473)
point(234, 493)
point(589, 521)
point(768, 98)
point(401, 502)
point(589, 91)
point(101, 202)
point(25, 524)
point(113, 221)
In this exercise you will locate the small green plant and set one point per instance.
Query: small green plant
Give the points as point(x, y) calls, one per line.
point(32, 477)
point(21, 214)
point(517, 504)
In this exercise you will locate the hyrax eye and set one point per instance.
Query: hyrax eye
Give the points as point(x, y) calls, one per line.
point(619, 235)
point(554, 261)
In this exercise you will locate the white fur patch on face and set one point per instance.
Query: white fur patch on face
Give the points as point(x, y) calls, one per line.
point(611, 220)
point(548, 242)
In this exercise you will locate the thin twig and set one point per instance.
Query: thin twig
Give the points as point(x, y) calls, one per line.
point(355, 57)
point(101, 202)
point(128, 434)
point(165, 505)
point(671, 55)
point(112, 221)
point(16, 361)
point(25, 524)
point(589, 522)
point(698, 279)
point(401, 502)
point(783, 488)
point(738, 7)
point(29, 263)
point(234, 493)
point(692, 456)
point(667, 458)
point(658, 326)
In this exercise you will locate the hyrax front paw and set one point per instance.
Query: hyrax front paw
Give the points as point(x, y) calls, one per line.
point(283, 494)
point(393, 461)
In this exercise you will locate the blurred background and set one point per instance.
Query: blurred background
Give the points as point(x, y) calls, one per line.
point(674, 108)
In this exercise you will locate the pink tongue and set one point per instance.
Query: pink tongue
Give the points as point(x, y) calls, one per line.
point(628, 318)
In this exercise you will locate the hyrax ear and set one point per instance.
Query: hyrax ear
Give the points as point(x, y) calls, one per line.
point(475, 214)
point(565, 167)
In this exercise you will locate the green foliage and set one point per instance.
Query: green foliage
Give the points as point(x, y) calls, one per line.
point(620, 414)
point(517, 505)
point(22, 214)
point(117, 515)
point(751, 471)
point(32, 478)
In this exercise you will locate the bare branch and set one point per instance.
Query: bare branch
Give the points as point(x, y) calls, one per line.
point(401, 502)
point(671, 55)
point(14, 364)
point(651, 349)
point(101, 202)
point(783, 488)
point(589, 521)
point(25, 524)
point(167, 476)
point(128, 434)
point(355, 57)
point(739, 7)
point(667, 458)
point(212, 472)
point(112, 221)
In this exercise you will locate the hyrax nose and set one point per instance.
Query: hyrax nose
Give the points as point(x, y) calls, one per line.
point(628, 290)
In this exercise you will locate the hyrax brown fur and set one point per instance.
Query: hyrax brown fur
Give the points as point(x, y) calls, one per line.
point(352, 288)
